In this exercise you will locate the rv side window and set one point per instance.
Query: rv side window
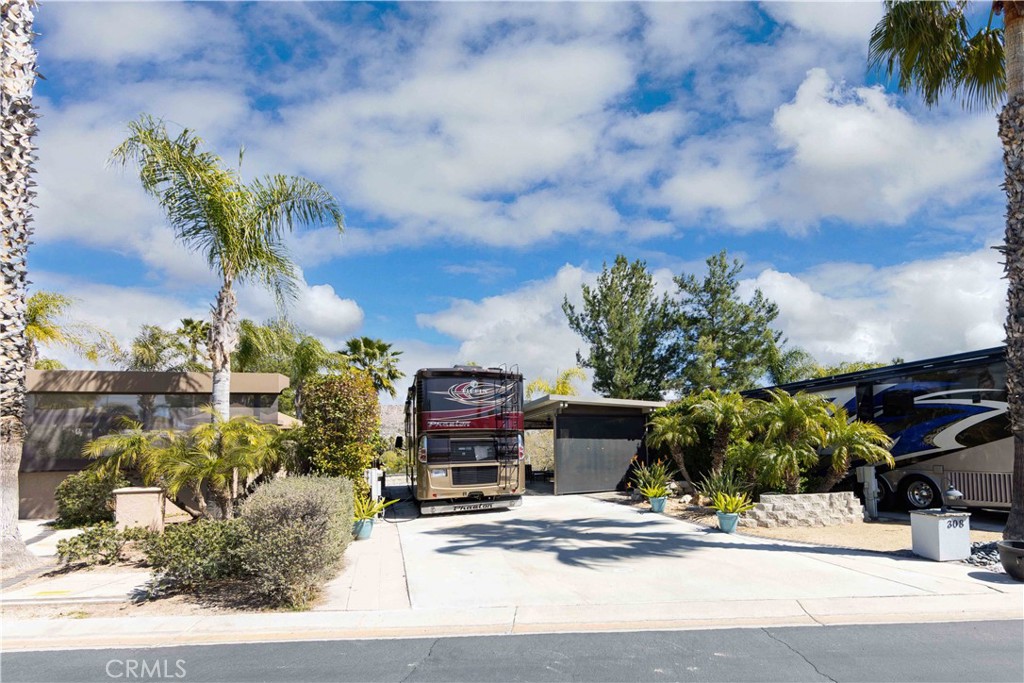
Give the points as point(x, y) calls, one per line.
point(897, 403)
point(865, 402)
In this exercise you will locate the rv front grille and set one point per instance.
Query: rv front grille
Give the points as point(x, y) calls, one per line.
point(982, 487)
point(474, 476)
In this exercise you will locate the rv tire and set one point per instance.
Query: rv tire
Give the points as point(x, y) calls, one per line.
point(919, 493)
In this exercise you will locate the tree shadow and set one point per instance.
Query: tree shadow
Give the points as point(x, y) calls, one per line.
point(595, 542)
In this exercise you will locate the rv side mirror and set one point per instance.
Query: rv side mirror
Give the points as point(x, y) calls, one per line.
point(398, 442)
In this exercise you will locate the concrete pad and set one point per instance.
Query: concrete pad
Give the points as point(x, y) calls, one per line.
point(40, 538)
point(115, 585)
point(575, 550)
point(373, 576)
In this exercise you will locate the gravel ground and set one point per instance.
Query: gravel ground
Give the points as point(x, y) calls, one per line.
point(888, 536)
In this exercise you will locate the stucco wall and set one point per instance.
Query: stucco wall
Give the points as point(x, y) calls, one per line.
point(35, 494)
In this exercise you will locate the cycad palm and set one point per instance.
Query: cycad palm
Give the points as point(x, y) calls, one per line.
point(238, 227)
point(850, 441)
point(378, 359)
point(670, 429)
point(791, 428)
point(933, 51)
point(726, 412)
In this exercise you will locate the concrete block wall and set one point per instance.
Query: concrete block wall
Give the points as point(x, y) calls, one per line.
point(805, 509)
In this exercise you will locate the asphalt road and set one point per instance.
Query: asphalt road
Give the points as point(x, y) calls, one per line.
point(971, 651)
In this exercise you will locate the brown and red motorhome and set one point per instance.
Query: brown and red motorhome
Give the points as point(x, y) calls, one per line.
point(464, 438)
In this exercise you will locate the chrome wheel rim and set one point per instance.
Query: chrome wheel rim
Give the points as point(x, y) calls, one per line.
point(920, 494)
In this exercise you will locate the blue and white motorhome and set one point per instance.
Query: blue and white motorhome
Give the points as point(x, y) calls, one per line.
point(948, 421)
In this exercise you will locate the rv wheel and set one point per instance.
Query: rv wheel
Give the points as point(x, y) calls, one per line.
point(920, 494)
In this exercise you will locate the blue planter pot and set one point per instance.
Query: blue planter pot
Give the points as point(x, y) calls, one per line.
point(658, 504)
point(727, 521)
point(362, 529)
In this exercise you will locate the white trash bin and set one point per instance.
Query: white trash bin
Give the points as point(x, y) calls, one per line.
point(941, 535)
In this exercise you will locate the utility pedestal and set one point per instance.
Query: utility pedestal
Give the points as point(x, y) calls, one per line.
point(941, 534)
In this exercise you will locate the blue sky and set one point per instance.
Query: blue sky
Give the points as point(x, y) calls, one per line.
point(490, 157)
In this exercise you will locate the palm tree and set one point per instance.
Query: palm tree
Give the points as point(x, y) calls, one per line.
point(933, 52)
point(238, 227)
point(17, 128)
point(669, 428)
point(46, 323)
point(726, 412)
point(130, 449)
point(193, 334)
point(377, 358)
point(791, 429)
point(153, 349)
point(279, 346)
point(216, 454)
point(563, 385)
point(851, 441)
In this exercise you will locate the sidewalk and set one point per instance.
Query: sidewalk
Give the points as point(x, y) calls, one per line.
point(569, 564)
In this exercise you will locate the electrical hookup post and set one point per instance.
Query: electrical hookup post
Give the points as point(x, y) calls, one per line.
point(866, 476)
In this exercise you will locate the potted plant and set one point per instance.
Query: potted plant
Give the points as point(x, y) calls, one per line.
point(366, 510)
point(656, 495)
point(1011, 555)
point(652, 482)
point(728, 508)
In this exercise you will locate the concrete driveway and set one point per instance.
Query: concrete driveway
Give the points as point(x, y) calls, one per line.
point(576, 550)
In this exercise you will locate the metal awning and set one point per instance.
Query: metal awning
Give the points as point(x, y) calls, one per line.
point(540, 412)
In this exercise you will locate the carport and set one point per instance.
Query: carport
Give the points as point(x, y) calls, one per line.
point(595, 438)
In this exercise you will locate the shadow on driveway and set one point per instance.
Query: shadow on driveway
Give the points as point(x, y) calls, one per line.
point(594, 542)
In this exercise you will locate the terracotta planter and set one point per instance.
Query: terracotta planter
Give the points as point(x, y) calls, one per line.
point(1011, 554)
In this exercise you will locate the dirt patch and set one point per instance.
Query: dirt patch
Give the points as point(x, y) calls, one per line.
point(880, 535)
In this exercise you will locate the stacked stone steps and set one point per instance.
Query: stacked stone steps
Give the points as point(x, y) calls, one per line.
point(804, 509)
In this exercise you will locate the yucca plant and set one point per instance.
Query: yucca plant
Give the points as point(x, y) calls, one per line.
point(368, 508)
point(657, 474)
point(731, 504)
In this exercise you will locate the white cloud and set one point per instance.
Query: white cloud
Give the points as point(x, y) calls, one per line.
point(840, 20)
point(110, 33)
point(921, 309)
point(524, 327)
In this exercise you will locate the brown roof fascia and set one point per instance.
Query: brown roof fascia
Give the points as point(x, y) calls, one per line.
point(118, 382)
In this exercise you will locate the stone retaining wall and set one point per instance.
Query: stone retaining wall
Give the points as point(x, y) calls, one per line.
point(805, 509)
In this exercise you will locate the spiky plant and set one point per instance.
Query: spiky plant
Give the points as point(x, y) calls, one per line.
point(17, 128)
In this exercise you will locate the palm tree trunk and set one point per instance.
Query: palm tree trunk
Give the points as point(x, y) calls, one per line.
point(17, 119)
point(718, 449)
point(677, 456)
point(1011, 133)
point(223, 341)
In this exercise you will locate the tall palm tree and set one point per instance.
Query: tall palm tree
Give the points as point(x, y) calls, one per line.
point(193, 334)
point(17, 128)
point(377, 358)
point(280, 346)
point(792, 431)
point(237, 226)
point(46, 322)
point(933, 51)
point(153, 349)
point(851, 441)
point(562, 386)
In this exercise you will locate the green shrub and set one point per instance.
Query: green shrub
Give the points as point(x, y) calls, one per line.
point(186, 556)
point(724, 482)
point(393, 462)
point(86, 498)
point(341, 417)
point(295, 531)
point(100, 544)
